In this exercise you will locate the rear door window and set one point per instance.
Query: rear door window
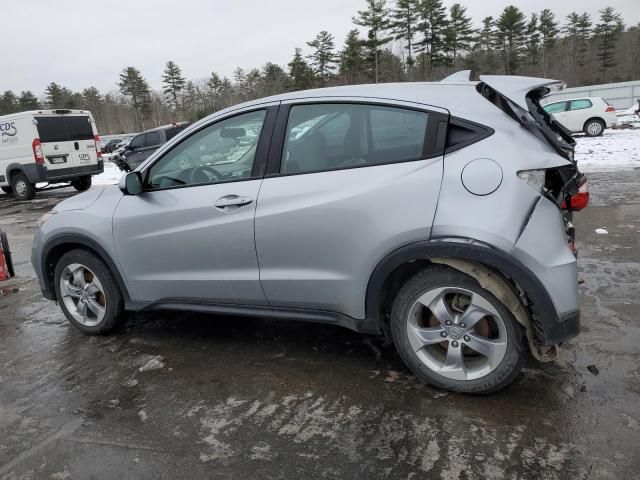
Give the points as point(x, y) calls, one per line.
point(323, 137)
point(580, 104)
point(52, 130)
point(152, 139)
point(555, 107)
point(78, 128)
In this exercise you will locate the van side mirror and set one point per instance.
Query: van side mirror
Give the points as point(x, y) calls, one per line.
point(129, 147)
point(131, 183)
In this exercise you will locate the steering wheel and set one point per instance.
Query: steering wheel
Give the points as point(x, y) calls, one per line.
point(202, 169)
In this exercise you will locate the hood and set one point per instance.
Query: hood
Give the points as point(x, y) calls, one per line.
point(80, 201)
point(517, 88)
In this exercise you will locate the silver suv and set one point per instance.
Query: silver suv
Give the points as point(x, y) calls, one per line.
point(435, 213)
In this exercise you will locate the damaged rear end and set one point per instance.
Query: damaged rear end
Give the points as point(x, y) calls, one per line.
point(564, 185)
point(546, 244)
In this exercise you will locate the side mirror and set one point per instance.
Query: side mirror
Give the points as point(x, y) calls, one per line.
point(129, 147)
point(131, 183)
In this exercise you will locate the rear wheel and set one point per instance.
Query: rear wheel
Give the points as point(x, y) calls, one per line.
point(22, 188)
point(594, 127)
point(82, 184)
point(454, 334)
point(7, 190)
point(87, 292)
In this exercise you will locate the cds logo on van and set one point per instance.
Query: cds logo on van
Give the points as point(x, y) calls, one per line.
point(8, 129)
point(8, 132)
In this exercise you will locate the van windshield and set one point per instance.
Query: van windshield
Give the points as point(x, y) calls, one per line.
point(61, 128)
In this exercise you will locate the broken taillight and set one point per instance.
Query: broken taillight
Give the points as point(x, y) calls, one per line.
point(578, 201)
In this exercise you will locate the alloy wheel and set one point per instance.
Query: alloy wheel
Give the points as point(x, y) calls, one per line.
point(594, 128)
point(83, 294)
point(457, 333)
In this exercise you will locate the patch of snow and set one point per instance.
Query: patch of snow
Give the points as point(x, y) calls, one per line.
point(110, 176)
point(152, 363)
point(142, 415)
point(601, 231)
point(614, 150)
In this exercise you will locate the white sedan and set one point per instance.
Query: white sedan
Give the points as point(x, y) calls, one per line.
point(590, 115)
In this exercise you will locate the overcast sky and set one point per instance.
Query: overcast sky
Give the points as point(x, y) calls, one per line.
point(79, 43)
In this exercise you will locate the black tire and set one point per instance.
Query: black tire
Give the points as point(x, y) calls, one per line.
point(81, 184)
point(7, 190)
point(594, 127)
point(22, 188)
point(4, 241)
point(438, 277)
point(114, 303)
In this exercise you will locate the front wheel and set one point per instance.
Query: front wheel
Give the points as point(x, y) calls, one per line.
point(82, 184)
point(594, 127)
point(87, 292)
point(454, 334)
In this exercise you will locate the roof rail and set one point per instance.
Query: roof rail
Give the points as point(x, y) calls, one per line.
point(461, 76)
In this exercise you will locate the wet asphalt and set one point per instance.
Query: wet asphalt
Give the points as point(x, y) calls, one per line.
point(175, 395)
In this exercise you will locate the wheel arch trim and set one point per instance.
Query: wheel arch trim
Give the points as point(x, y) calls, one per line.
point(554, 329)
point(78, 241)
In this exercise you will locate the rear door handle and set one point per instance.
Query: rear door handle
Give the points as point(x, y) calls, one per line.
point(76, 145)
point(232, 201)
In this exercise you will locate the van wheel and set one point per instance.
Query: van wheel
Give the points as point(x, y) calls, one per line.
point(454, 334)
point(7, 190)
point(594, 127)
point(82, 184)
point(87, 292)
point(22, 188)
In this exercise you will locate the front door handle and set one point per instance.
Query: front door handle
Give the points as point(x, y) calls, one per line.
point(76, 145)
point(232, 201)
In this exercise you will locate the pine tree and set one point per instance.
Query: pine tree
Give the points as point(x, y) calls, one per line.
point(402, 20)
point(432, 23)
point(376, 20)
point(607, 33)
point(511, 38)
point(549, 32)
point(584, 33)
point(8, 103)
point(458, 33)
point(28, 101)
point(133, 85)
point(533, 40)
point(275, 79)
point(190, 100)
point(351, 57)
point(300, 71)
point(173, 84)
point(57, 96)
point(91, 99)
point(323, 57)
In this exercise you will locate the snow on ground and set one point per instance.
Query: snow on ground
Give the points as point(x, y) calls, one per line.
point(110, 176)
point(614, 150)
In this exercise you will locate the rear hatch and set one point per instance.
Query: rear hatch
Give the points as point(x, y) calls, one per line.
point(68, 142)
point(519, 97)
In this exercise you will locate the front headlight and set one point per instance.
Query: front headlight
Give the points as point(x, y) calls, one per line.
point(45, 218)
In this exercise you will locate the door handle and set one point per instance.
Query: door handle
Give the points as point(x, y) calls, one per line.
point(232, 201)
point(76, 145)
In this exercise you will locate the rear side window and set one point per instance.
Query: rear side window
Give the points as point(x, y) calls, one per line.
point(580, 104)
point(324, 137)
point(52, 129)
point(78, 128)
point(152, 139)
point(555, 107)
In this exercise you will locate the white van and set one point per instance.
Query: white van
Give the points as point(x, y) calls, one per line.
point(52, 146)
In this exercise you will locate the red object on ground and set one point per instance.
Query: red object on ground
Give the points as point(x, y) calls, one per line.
point(4, 270)
point(6, 263)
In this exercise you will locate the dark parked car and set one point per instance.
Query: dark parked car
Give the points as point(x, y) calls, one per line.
point(145, 143)
point(111, 145)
